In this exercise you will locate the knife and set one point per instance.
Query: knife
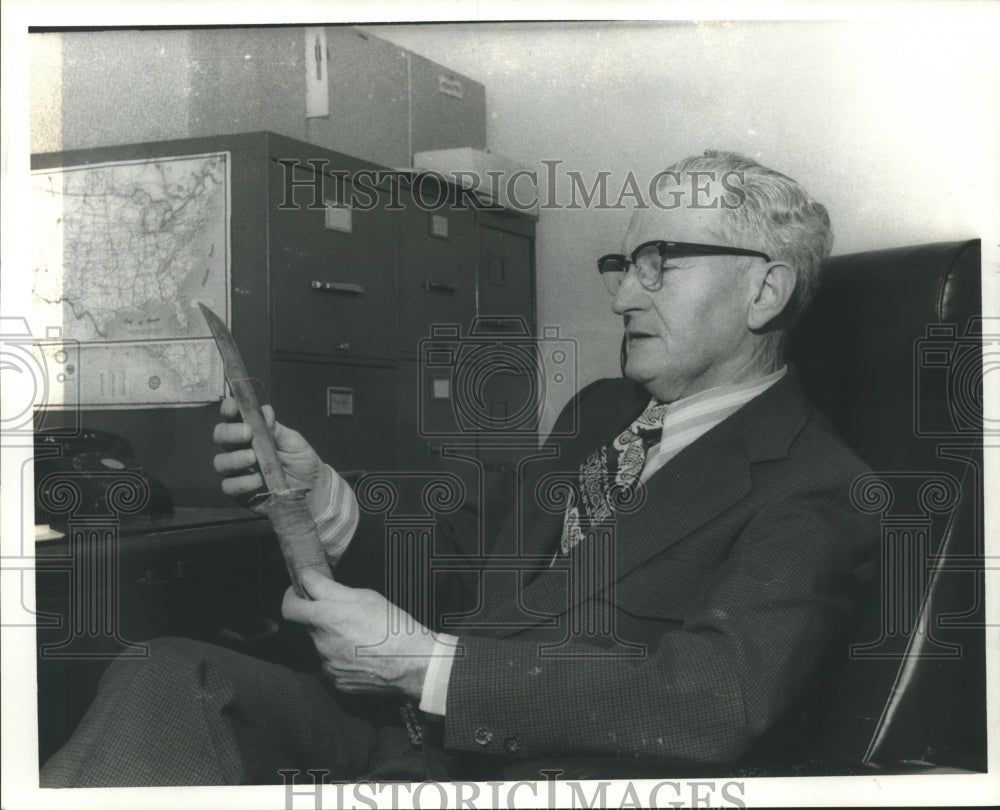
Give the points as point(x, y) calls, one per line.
point(286, 508)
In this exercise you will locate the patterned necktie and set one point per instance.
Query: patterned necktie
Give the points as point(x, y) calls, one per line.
point(610, 475)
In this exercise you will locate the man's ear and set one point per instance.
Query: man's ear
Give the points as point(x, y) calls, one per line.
point(771, 290)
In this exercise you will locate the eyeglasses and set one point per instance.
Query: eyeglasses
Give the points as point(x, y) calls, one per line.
point(614, 267)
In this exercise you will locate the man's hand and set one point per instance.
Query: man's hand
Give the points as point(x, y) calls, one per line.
point(366, 643)
point(303, 467)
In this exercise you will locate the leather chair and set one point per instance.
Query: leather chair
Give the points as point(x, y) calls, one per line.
point(891, 351)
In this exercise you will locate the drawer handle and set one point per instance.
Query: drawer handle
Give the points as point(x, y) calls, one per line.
point(338, 287)
point(440, 286)
point(501, 324)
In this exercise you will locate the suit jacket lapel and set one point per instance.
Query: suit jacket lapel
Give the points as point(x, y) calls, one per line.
point(539, 523)
point(531, 532)
point(700, 482)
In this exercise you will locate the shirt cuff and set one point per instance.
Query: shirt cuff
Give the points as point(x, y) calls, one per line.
point(434, 697)
point(337, 522)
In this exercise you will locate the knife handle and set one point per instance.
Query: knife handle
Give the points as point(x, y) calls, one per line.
point(300, 546)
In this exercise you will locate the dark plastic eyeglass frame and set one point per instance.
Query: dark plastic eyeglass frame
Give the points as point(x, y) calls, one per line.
point(676, 250)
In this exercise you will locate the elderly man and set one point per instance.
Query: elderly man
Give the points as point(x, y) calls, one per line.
point(673, 607)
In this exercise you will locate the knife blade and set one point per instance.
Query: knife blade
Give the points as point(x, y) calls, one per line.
point(246, 398)
point(286, 508)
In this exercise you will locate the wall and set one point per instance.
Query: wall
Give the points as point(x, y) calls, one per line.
point(891, 124)
point(108, 87)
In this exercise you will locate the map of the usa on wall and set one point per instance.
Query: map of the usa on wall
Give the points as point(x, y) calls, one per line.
point(125, 251)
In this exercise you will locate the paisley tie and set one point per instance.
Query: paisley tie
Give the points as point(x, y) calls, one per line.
point(610, 475)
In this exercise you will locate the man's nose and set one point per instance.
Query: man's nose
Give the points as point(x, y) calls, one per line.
point(631, 294)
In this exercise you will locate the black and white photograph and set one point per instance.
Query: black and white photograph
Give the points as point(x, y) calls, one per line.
point(500, 405)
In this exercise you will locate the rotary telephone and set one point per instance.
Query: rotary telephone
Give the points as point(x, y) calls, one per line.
point(94, 460)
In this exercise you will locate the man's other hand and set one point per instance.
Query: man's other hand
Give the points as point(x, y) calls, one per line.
point(367, 645)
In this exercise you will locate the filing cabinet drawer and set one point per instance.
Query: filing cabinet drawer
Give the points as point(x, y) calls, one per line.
point(332, 278)
point(510, 402)
point(347, 413)
point(436, 266)
point(478, 417)
point(506, 286)
point(481, 389)
point(423, 451)
point(358, 436)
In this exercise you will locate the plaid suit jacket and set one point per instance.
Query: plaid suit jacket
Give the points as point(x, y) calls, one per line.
point(725, 588)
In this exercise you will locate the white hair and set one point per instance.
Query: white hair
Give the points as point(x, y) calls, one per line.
point(774, 215)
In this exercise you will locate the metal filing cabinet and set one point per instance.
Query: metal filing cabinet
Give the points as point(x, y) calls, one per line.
point(356, 304)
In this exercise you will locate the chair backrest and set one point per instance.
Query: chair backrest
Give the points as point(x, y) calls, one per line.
point(891, 350)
